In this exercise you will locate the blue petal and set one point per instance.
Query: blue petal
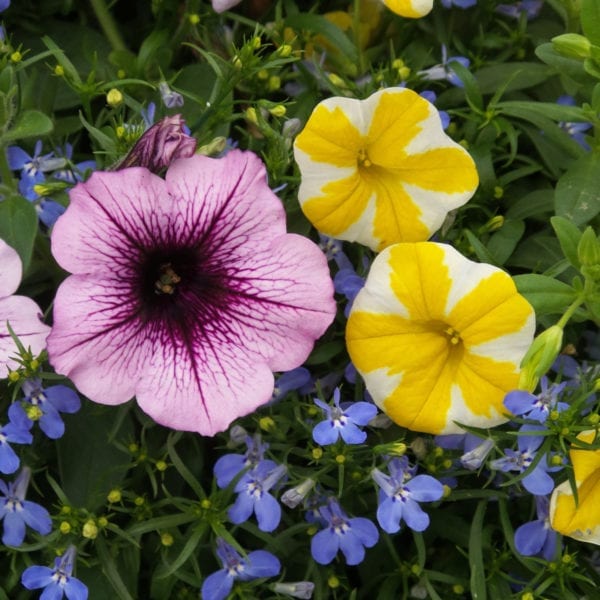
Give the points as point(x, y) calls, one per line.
point(538, 482)
point(530, 537)
point(325, 433)
point(75, 589)
point(365, 531)
point(17, 158)
point(37, 517)
point(261, 563)
point(53, 592)
point(424, 488)
point(353, 550)
point(415, 518)
point(9, 461)
point(268, 513)
point(14, 529)
point(49, 211)
point(324, 545)
point(389, 515)
point(361, 412)
point(51, 422)
point(63, 398)
point(36, 577)
point(227, 467)
point(241, 509)
point(217, 586)
point(351, 434)
point(519, 402)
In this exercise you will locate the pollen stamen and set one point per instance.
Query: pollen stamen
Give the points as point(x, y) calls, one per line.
point(167, 281)
point(453, 335)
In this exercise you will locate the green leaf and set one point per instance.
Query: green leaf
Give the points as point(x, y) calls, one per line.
point(590, 20)
point(476, 563)
point(471, 86)
point(503, 242)
point(570, 67)
point(511, 76)
point(19, 226)
point(546, 294)
point(551, 110)
point(29, 123)
point(535, 204)
point(90, 465)
point(568, 236)
point(576, 195)
point(483, 254)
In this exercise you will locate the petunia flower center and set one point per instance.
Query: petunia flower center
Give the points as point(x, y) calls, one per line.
point(363, 158)
point(167, 280)
point(453, 336)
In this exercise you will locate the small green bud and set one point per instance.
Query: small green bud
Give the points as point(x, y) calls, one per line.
point(588, 249)
point(572, 45)
point(540, 356)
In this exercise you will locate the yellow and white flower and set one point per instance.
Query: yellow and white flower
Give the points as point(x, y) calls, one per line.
point(580, 520)
point(412, 9)
point(380, 170)
point(438, 338)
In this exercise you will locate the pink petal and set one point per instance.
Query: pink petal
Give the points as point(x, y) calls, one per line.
point(10, 270)
point(220, 6)
point(24, 316)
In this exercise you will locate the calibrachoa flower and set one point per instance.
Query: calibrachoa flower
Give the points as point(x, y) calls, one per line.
point(57, 581)
point(259, 563)
point(537, 481)
point(186, 292)
point(438, 338)
point(343, 421)
point(581, 519)
point(44, 405)
point(537, 537)
point(380, 170)
point(16, 431)
point(351, 536)
point(400, 494)
point(18, 512)
point(536, 407)
point(254, 497)
point(412, 9)
point(22, 313)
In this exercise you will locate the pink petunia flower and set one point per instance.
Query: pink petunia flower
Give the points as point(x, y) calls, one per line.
point(186, 292)
point(22, 313)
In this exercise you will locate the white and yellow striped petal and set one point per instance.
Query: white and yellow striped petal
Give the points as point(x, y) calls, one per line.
point(438, 338)
point(412, 9)
point(381, 170)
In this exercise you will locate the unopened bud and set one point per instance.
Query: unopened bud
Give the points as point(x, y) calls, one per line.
point(572, 45)
point(540, 357)
point(114, 98)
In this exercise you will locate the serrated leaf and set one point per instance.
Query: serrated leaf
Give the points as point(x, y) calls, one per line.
point(19, 226)
point(546, 294)
point(576, 195)
point(29, 123)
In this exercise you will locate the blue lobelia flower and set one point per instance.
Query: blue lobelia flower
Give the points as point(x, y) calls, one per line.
point(444, 70)
point(537, 537)
point(400, 494)
point(530, 8)
point(15, 431)
point(537, 407)
point(45, 405)
point(348, 283)
point(259, 563)
point(254, 497)
point(298, 379)
point(460, 3)
point(33, 166)
point(537, 481)
point(343, 421)
point(73, 172)
point(431, 96)
point(230, 465)
point(56, 581)
point(576, 130)
point(351, 536)
point(333, 250)
point(4, 4)
point(47, 210)
point(170, 98)
point(18, 512)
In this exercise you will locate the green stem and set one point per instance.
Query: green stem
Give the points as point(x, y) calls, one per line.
point(6, 176)
point(108, 24)
point(571, 310)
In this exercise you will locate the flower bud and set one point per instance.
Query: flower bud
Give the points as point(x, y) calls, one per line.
point(572, 45)
point(298, 589)
point(540, 356)
point(588, 253)
point(160, 145)
point(292, 497)
point(114, 97)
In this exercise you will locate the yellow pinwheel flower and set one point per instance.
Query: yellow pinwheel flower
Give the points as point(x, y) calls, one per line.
point(381, 170)
point(438, 338)
point(412, 9)
point(580, 521)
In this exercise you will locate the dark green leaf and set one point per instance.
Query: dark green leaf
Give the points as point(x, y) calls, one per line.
point(514, 76)
point(570, 67)
point(503, 242)
point(476, 562)
point(19, 226)
point(29, 123)
point(576, 197)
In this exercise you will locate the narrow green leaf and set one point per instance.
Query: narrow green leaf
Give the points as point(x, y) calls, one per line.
point(590, 20)
point(568, 236)
point(483, 254)
point(476, 563)
point(570, 67)
point(511, 76)
point(105, 142)
point(551, 110)
point(471, 86)
point(109, 568)
point(19, 226)
point(503, 242)
point(576, 196)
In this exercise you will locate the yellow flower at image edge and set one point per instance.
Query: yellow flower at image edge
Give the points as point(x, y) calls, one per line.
point(580, 521)
point(412, 9)
point(438, 338)
point(381, 170)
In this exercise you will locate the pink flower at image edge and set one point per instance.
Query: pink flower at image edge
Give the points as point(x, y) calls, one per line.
point(185, 292)
point(22, 313)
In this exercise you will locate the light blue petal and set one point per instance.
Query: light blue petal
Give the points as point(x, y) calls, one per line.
point(365, 531)
point(9, 461)
point(14, 529)
point(361, 412)
point(76, 590)
point(261, 563)
point(36, 517)
point(63, 398)
point(538, 482)
point(530, 537)
point(51, 422)
point(227, 467)
point(324, 433)
point(351, 434)
point(53, 592)
point(17, 158)
point(241, 509)
point(217, 586)
point(389, 515)
point(424, 488)
point(353, 550)
point(414, 516)
point(324, 545)
point(36, 577)
point(268, 513)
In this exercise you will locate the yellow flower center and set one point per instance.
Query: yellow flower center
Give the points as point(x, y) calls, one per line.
point(363, 158)
point(453, 335)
